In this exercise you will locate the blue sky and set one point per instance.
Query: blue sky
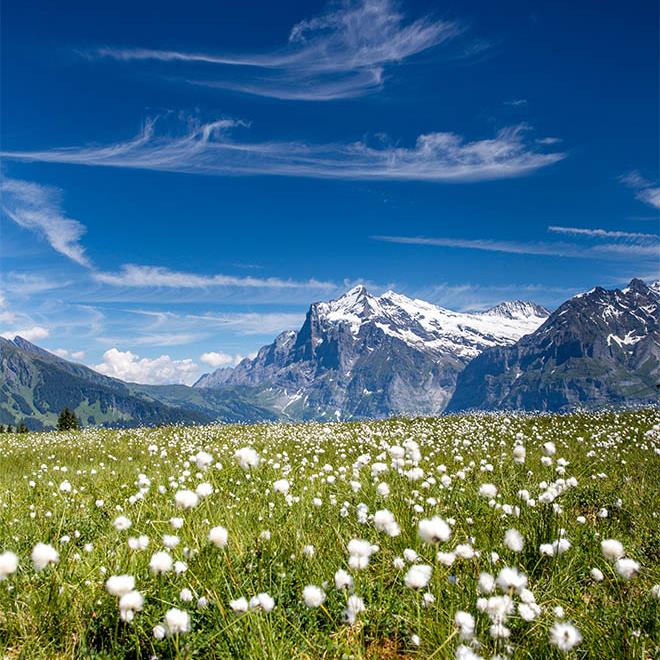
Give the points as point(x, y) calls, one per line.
point(180, 181)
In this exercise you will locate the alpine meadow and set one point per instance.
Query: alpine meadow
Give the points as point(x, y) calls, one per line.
point(329, 330)
point(476, 536)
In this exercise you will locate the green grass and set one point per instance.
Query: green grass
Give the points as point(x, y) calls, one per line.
point(65, 611)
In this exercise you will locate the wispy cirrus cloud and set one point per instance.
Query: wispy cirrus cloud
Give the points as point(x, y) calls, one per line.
point(210, 149)
point(250, 323)
point(342, 53)
point(616, 244)
point(602, 233)
point(487, 245)
point(133, 275)
point(38, 209)
point(645, 191)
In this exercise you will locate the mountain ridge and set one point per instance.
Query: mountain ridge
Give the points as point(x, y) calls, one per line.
point(336, 364)
point(600, 347)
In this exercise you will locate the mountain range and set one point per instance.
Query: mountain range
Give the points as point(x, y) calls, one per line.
point(36, 385)
point(364, 356)
point(598, 348)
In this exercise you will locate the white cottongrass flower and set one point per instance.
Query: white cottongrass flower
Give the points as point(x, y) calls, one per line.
point(465, 623)
point(170, 541)
point(185, 595)
point(410, 555)
point(528, 611)
point(177, 622)
point(464, 652)
point(488, 490)
point(549, 448)
point(343, 580)
point(433, 530)
point(359, 552)
point(138, 543)
point(239, 604)
point(281, 486)
point(513, 540)
point(626, 568)
point(265, 602)
point(118, 585)
point(384, 521)
point(511, 578)
point(354, 606)
point(219, 536)
point(186, 499)
point(486, 583)
point(204, 489)
point(611, 549)
point(597, 574)
point(130, 603)
point(464, 551)
point(122, 523)
point(519, 454)
point(418, 576)
point(565, 636)
point(309, 551)
point(428, 599)
point(446, 558)
point(161, 562)
point(247, 457)
point(44, 554)
point(313, 596)
point(203, 459)
point(383, 489)
point(558, 547)
point(8, 565)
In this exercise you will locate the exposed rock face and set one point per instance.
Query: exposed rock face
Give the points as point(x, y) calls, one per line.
point(598, 348)
point(367, 356)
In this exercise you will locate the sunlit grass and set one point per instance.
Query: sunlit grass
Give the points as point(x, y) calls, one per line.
point(65, 609)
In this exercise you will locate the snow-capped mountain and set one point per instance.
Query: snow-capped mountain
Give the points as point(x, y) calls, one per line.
point(600, 347)
point(363, 355)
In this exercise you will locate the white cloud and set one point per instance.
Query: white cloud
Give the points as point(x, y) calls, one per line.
point(69, 355)
point(33, 333)
point(470, 296)
point(611, 250)
point(216, 360)
point(646, 191)
point(132, 275)
point(488, 245)
point(252, 323)
point(208, 149)
point(602, 233)
point(37, 208)
point(161, 370)
point(340, 54)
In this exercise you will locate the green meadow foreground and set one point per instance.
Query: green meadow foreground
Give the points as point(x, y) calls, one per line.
point(466, 537)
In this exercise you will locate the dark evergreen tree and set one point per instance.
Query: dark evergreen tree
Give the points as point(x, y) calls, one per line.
point(67, 421)
point(22, 428)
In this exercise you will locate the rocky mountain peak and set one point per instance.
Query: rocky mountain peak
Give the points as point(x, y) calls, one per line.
point(518, 309)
